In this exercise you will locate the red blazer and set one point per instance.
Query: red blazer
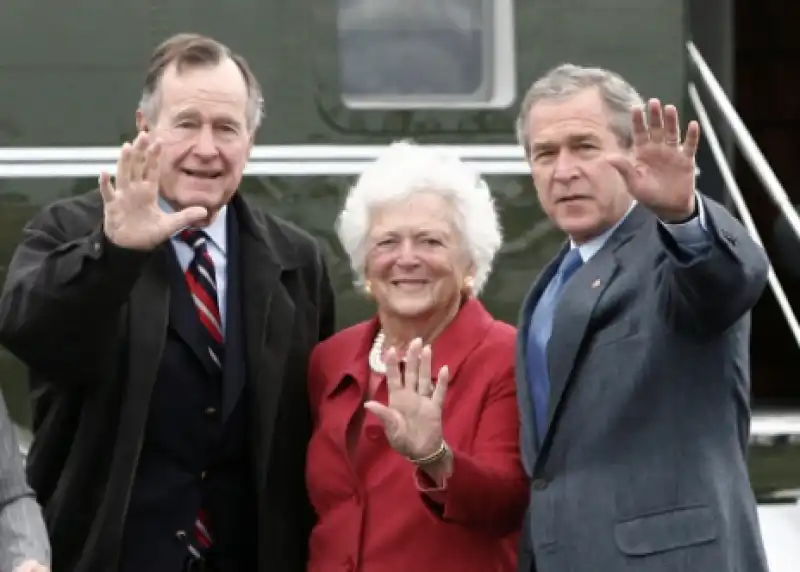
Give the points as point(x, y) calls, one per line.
point(372, 514)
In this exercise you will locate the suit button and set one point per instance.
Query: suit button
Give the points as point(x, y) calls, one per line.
point(180, 534)
point(540, 484)
point(203, 475)
point(211, 411)
point(349, 565)
point(374, 433)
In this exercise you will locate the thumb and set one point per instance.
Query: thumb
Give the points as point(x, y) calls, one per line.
point(388, 417)
point(189, 216)
point(626, 169)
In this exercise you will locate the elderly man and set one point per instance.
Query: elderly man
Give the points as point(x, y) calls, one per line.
point(24, 546)
point(167, 326)
point(633, 357)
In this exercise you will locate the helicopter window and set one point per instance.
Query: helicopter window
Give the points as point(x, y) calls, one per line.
point(426, 53)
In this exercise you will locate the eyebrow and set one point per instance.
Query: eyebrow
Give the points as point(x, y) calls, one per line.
point(571, 140)
point(192, 114)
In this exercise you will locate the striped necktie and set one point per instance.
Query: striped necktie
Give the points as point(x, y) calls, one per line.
point(202, 281)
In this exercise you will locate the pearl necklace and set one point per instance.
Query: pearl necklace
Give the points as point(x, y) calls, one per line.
point(375, 358)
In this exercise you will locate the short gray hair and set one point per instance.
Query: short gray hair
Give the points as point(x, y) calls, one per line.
point(195, 50)
point(567, 80)
point(404, 169)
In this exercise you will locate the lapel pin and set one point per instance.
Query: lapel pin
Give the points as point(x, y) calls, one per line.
point(596, 283)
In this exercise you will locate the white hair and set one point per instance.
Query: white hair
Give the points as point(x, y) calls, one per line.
point(404, 169)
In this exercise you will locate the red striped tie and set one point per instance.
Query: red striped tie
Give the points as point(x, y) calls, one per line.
point(202, 281)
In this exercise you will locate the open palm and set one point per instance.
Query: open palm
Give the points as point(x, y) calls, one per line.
point(661, 172)
point(412, 419)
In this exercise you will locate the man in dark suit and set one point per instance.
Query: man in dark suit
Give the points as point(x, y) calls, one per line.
point(633, 358)
point(167, 326)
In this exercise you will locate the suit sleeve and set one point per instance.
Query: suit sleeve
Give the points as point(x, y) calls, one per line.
point(488, 489)
point(706, 291)
point(23, 535)
point(60, 306)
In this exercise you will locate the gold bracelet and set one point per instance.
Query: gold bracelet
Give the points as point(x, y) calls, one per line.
point(433, 457)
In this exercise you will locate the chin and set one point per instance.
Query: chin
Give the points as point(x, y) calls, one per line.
point(411, 308)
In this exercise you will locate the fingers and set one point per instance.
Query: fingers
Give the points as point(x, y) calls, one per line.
point(663, 126)
point(152, 156)
point(413, 364)
point(394, 379)
point(640, 134)
point(139, 157)
point(440, 391)
point(138, 161)
point(692, 139)
point(123, 176)
point(655, 121)
point(106, 188)
point(425, 383)
point(190, 216)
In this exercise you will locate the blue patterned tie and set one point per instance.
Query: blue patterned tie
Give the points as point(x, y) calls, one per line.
point(539, 330)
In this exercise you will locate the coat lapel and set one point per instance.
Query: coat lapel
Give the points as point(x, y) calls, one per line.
point(148, 316)
point(268, 313)
point(573, 316)
point(571, 321)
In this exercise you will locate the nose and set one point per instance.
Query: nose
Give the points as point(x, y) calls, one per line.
point(205, 146)
point(407, 254)
point(565, 168)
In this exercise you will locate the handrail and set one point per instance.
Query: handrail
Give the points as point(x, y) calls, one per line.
point(738, 198)
point(265, 160)
point(743, 139)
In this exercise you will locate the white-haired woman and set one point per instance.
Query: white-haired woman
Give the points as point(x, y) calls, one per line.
point(414, 464)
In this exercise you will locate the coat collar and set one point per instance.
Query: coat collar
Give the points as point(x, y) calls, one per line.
point(451, 348)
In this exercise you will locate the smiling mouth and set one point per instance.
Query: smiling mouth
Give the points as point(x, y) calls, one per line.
point(409, 282)
point(202, 174)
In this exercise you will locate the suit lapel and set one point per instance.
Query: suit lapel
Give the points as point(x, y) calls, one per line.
point(574, 313)
point(524, 398)
point(571, 321)
point(235, 370)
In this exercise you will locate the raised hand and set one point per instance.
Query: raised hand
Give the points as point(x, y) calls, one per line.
point(132, 217)
point(661, 173)
point(412, 419)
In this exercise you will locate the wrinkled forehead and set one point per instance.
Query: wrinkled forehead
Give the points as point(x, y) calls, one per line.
point(560, 120)
point(209, 91)
point(417, 213)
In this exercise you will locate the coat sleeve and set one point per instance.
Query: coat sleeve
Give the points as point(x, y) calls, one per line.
point(23, 535)
point(487, 489)
point(60, 306)
point(708, 292)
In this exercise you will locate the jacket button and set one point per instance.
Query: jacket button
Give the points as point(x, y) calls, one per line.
point(540, 484)
point(211, 411)
point(349, 565)
point(203, 475)
point(180, 534)
point(374, 433)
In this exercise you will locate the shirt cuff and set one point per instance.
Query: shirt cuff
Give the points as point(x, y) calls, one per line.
point(692, 232)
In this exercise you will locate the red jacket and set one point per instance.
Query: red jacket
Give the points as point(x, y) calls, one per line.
point(372, 514)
